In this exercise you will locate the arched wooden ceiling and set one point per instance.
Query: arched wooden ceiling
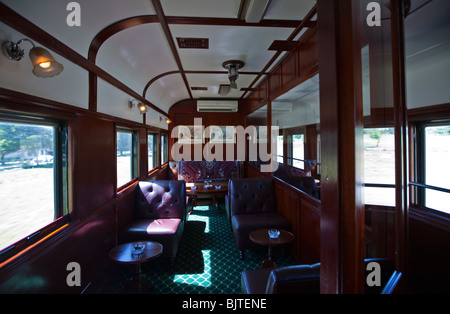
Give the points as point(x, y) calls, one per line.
point(136, 42)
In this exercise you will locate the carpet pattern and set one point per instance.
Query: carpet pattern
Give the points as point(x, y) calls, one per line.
point(207, 261)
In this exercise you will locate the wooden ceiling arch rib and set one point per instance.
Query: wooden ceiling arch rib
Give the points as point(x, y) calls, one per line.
point(165, 21)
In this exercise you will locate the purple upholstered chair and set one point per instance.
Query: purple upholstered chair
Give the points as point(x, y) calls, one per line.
point(160, 215)
point(252, 206)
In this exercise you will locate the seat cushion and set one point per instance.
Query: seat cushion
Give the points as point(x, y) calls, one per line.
point(168, 232)
point(154, 226)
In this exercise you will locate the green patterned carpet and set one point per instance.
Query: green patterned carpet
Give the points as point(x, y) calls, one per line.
point(207, 261)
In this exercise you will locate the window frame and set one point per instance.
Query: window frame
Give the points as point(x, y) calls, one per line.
point(418, 185)
point(60, 180)
point(155, 152)
point(134, 156)
point(164, 151)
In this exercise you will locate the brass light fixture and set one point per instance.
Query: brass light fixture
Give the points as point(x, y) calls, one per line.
point(167, 120)
point(142, 107)
point(44, 65)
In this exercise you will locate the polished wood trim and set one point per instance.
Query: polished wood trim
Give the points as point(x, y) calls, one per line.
point(153, 80)
point(401, 138)
point(342, 223)
point(165, 26)
point(302, 25)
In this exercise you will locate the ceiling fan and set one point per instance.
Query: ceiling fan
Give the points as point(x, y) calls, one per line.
point(233, 67)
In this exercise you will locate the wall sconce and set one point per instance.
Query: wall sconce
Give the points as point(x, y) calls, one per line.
point(168, 121)
point(44, 65)
point(142, 107)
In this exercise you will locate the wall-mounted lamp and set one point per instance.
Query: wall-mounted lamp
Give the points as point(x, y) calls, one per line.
point(44, 65)
point(142, 107)
point(168, 121)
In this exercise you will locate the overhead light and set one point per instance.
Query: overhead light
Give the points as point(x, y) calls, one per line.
point(142, 107)
point(233, 67)
point(44, 65)
point(255, 11)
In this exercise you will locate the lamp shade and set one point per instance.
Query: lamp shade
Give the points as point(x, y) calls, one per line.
point(44, 65)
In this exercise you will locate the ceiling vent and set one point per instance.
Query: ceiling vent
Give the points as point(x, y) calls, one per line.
point(217, 105)
point(192, 43)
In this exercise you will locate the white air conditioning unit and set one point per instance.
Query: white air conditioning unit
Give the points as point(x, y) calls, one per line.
point(217, 105)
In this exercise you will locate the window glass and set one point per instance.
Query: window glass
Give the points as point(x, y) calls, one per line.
point(29, 196)
point(437, 170)
point(280, 148)
point(298, 150)
point(124, 157)
point(152, 151)
point(379, 165)
point(163, 148)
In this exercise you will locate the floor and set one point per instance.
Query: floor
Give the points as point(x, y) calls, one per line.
point(207, 261)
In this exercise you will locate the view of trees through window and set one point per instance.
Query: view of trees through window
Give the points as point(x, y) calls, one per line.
point(26, 163)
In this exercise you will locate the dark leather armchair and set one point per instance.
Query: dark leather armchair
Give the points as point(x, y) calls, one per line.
point(305, 279)
point(252, 206)
point(160, 215)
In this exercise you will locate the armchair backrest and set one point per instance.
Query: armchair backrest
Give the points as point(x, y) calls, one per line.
point(303, 279)
point(251, 195)
point(161, 199)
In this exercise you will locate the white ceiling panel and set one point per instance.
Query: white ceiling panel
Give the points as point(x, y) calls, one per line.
point(201, 8)
point(166, 91)
point(51, 15)
point(289, 9)
point(248, 44)
point(136, 55)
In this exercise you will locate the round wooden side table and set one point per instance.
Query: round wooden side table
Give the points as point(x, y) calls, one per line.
point(122, 254)
point(261, 236)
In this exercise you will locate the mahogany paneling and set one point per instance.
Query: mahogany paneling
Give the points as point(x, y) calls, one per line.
point(275, 82)
point(85, 242)
point(308, 54)
point(94, 164)
point(302, 211)
point(429, 253)
point(342, 227)
point(289, 71)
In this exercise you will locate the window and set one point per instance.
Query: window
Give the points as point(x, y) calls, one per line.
point(126, 156)
point(164, 148)
point(33, 179)
point(379, 166)
point(280, 149)
point(431, 169)
point(298, 150)
point(152, 148)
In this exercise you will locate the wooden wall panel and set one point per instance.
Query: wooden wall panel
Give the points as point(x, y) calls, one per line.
point(94, 164)
point(302, 211)
point(289, 71)
point(86, 242)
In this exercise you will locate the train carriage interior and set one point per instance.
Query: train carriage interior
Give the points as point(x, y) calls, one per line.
point(224, 147)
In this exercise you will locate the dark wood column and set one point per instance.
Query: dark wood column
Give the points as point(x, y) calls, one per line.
point(342, 215)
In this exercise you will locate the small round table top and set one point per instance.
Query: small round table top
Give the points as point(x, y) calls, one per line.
point(200, 188)
point(122, 253)
point(261, 236)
